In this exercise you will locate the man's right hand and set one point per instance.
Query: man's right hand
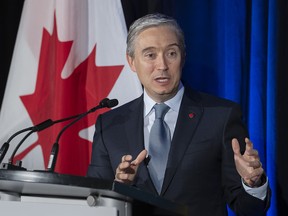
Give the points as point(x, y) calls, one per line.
point(127, 169)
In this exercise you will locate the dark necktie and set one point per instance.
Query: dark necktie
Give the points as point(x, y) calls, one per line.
point(159, 145)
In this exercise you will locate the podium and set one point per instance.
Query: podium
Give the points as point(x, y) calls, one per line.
point(45, 193)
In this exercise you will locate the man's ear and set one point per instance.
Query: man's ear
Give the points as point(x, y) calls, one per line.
point(130, 61)
point(183, 59)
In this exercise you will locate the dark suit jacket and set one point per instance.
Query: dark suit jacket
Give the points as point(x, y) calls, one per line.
point(200, 172)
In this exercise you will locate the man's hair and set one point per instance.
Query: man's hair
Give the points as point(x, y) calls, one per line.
point(153, 20)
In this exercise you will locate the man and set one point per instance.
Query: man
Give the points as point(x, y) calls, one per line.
point(210, 161)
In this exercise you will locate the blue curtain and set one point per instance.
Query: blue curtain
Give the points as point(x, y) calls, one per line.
point(232, 48)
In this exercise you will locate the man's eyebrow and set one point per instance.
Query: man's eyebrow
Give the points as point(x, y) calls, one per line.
point(147, 49)
point(152, 48)
point(174, 44)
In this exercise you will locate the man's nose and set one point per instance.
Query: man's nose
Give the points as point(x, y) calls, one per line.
point(162, 63)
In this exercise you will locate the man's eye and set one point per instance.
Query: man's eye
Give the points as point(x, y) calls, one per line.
point(172, 54)
point(150, 55)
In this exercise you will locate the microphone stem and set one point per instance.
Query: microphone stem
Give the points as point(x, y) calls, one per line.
point(66, 119)
point(55, 147)
point(17, 147)
point(19, 132)
point(71, 123)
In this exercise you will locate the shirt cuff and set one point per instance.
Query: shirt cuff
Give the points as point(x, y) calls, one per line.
point(259, 192)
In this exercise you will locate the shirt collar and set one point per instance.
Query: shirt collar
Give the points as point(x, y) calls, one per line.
point(173, 103)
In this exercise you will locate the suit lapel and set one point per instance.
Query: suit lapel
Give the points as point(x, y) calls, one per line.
point(134, 130)
point(134, 127)
point(189, 116)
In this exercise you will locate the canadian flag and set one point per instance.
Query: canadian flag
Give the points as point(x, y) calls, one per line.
point(68, 56)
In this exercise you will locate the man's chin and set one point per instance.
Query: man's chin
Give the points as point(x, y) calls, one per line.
point(166, 95)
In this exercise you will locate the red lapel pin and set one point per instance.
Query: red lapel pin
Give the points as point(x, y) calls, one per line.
point(191, 115)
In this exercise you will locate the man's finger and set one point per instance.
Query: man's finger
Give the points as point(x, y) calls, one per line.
point(126, 158)
point(255, 164)
point(256, 172)
point(249, 144)
point(141, 156)
point(124, 165)
point(252, 152)
point(235, 146)
point(122, 177)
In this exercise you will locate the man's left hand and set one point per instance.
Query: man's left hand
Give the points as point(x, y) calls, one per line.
point(248, 165)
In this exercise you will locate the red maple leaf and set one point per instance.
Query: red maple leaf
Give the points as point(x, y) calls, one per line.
point(55, 98)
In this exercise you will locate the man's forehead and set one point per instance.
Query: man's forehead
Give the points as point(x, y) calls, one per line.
point(157, 36)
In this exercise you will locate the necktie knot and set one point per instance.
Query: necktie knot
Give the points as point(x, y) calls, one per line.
point(160, 110)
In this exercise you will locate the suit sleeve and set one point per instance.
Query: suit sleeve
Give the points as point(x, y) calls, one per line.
point(100, 166)
point(237, 198)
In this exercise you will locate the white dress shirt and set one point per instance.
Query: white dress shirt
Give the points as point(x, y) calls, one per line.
point(170, 117)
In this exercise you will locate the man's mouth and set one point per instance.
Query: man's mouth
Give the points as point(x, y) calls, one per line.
point(161, 79)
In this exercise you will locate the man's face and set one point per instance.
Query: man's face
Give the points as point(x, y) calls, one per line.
point(157, 62)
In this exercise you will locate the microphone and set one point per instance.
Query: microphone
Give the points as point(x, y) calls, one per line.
point(35, 128)
point(105, 103)
point(147, 160)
